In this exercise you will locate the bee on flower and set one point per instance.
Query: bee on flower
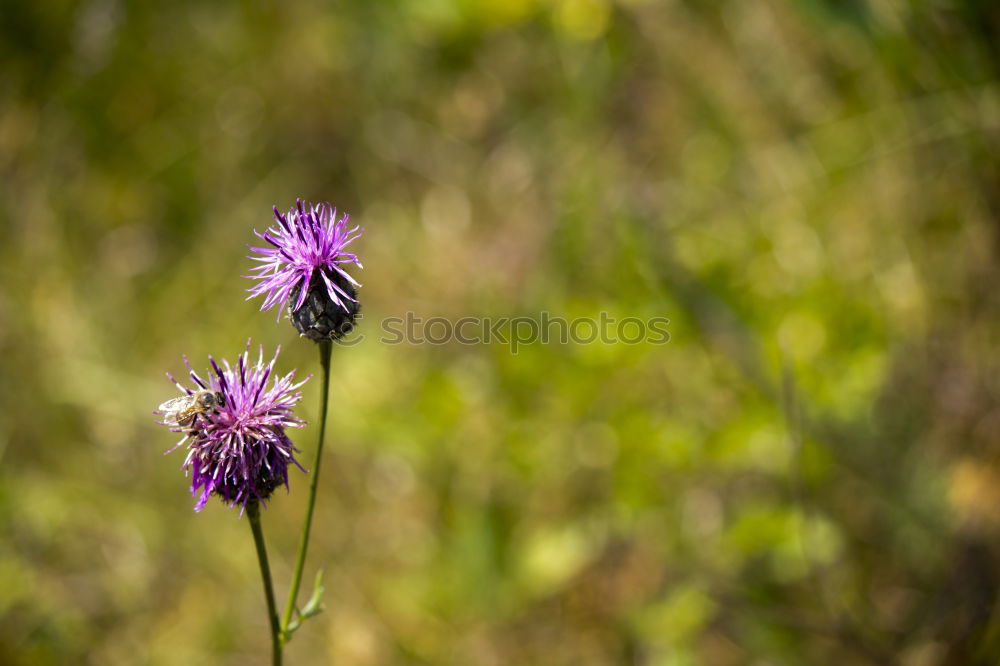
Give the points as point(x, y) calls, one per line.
point(183, 411)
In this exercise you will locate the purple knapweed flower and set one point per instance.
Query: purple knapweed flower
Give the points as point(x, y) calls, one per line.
point(234, 426)
point(302, 270)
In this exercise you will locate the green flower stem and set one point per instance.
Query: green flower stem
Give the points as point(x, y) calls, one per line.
point(325, 348)
point(253, 513)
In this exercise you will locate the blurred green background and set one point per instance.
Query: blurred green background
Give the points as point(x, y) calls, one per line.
point(808, 473)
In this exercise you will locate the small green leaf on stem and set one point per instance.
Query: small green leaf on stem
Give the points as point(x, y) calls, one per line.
point(313, 607)
point(315, 604)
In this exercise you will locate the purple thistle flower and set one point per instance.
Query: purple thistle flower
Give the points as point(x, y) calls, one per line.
point(234, 426)
point(302, 270)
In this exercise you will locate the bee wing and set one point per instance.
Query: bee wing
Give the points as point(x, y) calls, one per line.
point(175, 404)
point(172, 420)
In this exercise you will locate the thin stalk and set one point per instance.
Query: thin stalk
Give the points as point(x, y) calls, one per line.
point(253, 513)
point(325, 348)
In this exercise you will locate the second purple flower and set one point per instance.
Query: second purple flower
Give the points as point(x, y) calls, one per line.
point(303, 270)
